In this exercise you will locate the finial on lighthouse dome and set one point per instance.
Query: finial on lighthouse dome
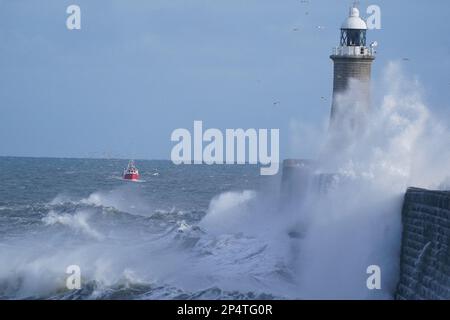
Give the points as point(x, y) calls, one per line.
point(354, 21)
point(354, 12)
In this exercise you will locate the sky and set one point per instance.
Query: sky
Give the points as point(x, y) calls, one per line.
point(137, 70)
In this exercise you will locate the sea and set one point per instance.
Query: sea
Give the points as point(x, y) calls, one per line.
point(181, 232)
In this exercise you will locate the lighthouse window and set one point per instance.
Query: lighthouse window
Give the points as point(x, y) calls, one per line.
point(363, 37)
point(343, 38)
point(353, 37)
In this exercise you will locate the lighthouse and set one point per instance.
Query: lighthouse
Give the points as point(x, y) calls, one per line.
point(352, 61)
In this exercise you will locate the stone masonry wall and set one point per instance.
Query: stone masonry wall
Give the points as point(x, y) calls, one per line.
point(425, 257)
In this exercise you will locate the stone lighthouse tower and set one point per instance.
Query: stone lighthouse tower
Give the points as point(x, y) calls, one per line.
point(352, 72)
point(350, 107)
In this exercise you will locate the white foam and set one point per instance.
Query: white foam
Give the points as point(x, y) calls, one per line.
point(358, 223)
point(78, 222)
point(227, 211)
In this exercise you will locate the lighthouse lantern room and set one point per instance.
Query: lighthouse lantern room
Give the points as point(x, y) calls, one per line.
point(353, 36)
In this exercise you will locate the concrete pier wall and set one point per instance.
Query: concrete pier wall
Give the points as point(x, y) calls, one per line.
point(425, 257)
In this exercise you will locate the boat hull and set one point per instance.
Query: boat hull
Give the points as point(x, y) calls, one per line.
point(131, 176)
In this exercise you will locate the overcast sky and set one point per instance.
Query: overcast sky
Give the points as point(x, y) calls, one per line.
point(139, 69)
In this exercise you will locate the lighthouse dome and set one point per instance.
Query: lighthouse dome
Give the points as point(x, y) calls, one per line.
point(354, 21)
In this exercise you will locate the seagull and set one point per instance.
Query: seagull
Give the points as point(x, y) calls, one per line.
point(320, 27)
point(276, 103)
point(295, 29)
point(405, 59)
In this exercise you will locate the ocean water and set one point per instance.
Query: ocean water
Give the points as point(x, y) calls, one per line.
point(219, 232)
point(178, 233)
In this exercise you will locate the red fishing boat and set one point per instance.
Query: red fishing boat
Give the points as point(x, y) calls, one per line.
point(131, 172)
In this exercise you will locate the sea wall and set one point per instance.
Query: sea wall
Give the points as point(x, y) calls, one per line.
point(425, 254)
